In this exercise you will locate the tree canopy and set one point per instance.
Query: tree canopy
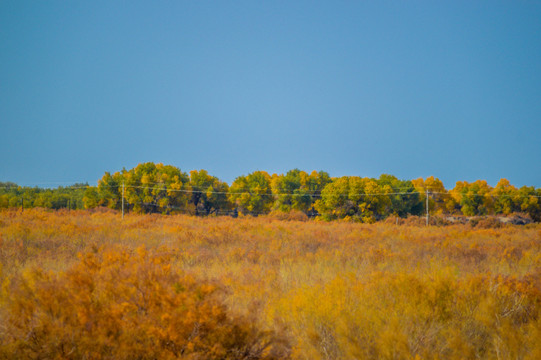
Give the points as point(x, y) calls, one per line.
point(166, 189)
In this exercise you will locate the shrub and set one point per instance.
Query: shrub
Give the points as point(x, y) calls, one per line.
point(293, 215)
point(488, 222)
point(123, 305)
point(410, 316)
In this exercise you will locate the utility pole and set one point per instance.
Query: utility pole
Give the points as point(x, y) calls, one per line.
point(427, 207)
point(123, 200)
point(22, 204)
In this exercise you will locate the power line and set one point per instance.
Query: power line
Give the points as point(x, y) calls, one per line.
point(319, 192)
point(335, 193)
point(265, 194)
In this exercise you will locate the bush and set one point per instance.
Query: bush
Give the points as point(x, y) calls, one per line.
point(415, 316)
point(293, 215)
point(488, 222)
point(122, 305)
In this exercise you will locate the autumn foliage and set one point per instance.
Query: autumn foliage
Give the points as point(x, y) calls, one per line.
point(86, 284)
point(121, 304)
point(165, 189)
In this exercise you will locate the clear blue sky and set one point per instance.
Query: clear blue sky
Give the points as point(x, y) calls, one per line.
point(410, 88)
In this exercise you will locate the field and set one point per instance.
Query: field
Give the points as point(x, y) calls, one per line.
point(89, 284)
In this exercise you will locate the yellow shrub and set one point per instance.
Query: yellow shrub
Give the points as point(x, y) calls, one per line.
point(403, 316)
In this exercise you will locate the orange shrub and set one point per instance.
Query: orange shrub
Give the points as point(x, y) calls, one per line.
point(292, 215)
point(117, 304)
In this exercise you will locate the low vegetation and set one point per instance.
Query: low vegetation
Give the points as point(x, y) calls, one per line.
point(89, 284)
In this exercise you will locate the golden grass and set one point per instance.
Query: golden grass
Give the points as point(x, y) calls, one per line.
point(317, 290)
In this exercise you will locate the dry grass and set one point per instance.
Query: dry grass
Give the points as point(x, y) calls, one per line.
point(322, 290)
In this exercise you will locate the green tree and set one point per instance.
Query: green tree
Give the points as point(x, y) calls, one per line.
point(371, 198)
point(504, 194)
point(314, 184)
point(439, 201)
point(109, 190)
point(334, 202)
point(362, 199)
point(473, 198)
point(91, 198)
point(404, 198)
point(289, 193)
point(209, 194)
point(528, 200)
point(252, 194)
point(148, 188)
point(153, 187)
point(297, 190)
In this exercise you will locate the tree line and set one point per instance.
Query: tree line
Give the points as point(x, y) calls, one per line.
point(13, 195)
point(158, 188)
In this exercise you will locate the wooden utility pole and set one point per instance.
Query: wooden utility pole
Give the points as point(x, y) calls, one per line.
point(427, 207)
point(123, 200)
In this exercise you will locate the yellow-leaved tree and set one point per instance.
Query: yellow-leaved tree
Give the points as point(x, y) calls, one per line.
point(474, 198)
point(439, 200)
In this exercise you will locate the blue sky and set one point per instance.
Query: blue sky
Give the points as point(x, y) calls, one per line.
point(417, 88)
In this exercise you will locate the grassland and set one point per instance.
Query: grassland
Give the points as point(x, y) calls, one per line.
point(87, 284)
